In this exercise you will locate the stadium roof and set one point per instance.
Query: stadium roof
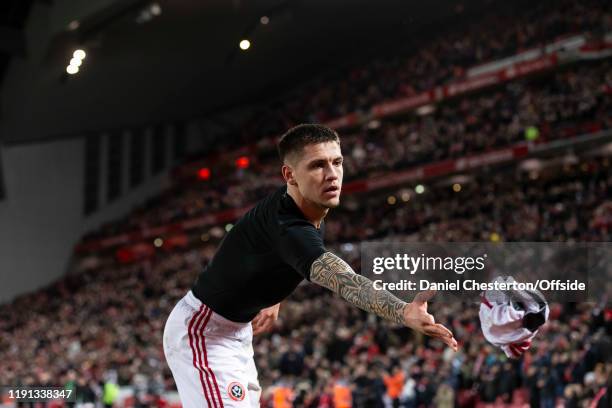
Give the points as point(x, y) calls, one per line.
point(185, 62)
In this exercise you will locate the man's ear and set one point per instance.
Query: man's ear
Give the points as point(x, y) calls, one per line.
point(289, 175)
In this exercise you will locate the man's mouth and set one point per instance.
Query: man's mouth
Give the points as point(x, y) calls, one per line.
point(331, 189)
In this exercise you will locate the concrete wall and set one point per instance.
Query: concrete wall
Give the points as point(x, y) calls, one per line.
point(41, 217)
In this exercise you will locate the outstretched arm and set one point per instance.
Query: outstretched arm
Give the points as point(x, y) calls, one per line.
point(333, 273)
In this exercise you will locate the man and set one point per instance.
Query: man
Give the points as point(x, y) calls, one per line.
point(270, 250)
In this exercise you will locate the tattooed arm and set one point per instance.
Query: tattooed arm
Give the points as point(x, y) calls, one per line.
point(333, 273)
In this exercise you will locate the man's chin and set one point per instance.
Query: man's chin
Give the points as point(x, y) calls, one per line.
point(330, 204)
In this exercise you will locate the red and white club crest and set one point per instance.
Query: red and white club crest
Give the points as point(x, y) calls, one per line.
point(236, 391)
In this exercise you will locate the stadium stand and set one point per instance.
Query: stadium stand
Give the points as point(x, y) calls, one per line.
point(87, 323)
point(103, 325)
point(562, 105)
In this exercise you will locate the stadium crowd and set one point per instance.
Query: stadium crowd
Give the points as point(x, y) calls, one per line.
point(561, 105)
point(102, 327)
point(430, 62)
point(580, 96)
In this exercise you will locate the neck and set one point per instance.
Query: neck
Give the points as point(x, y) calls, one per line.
point(313, 212)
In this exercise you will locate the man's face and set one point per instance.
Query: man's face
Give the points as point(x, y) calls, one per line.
point(318, 174)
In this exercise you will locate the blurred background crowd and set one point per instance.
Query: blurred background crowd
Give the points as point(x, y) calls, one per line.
point(98, 330)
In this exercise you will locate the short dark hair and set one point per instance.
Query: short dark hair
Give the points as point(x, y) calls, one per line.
point(296, 138)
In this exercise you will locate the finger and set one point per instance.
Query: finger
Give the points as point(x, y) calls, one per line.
point(422, 297)
point(256, 323)
point(429, 319)
point(264, 324)
point(437, 330)
point(268, 325)
point(434, 331)
point(450, 342)
point(258, 329)
point(453, 344)
point(445, 329)
point(440, 332)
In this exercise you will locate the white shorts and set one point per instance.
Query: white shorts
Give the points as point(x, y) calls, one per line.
point(211, 358)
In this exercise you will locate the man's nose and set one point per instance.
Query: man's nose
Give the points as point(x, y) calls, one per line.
point(331, 173)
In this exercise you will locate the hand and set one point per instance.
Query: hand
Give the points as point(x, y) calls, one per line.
point(264, 321)
point(417, 318)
